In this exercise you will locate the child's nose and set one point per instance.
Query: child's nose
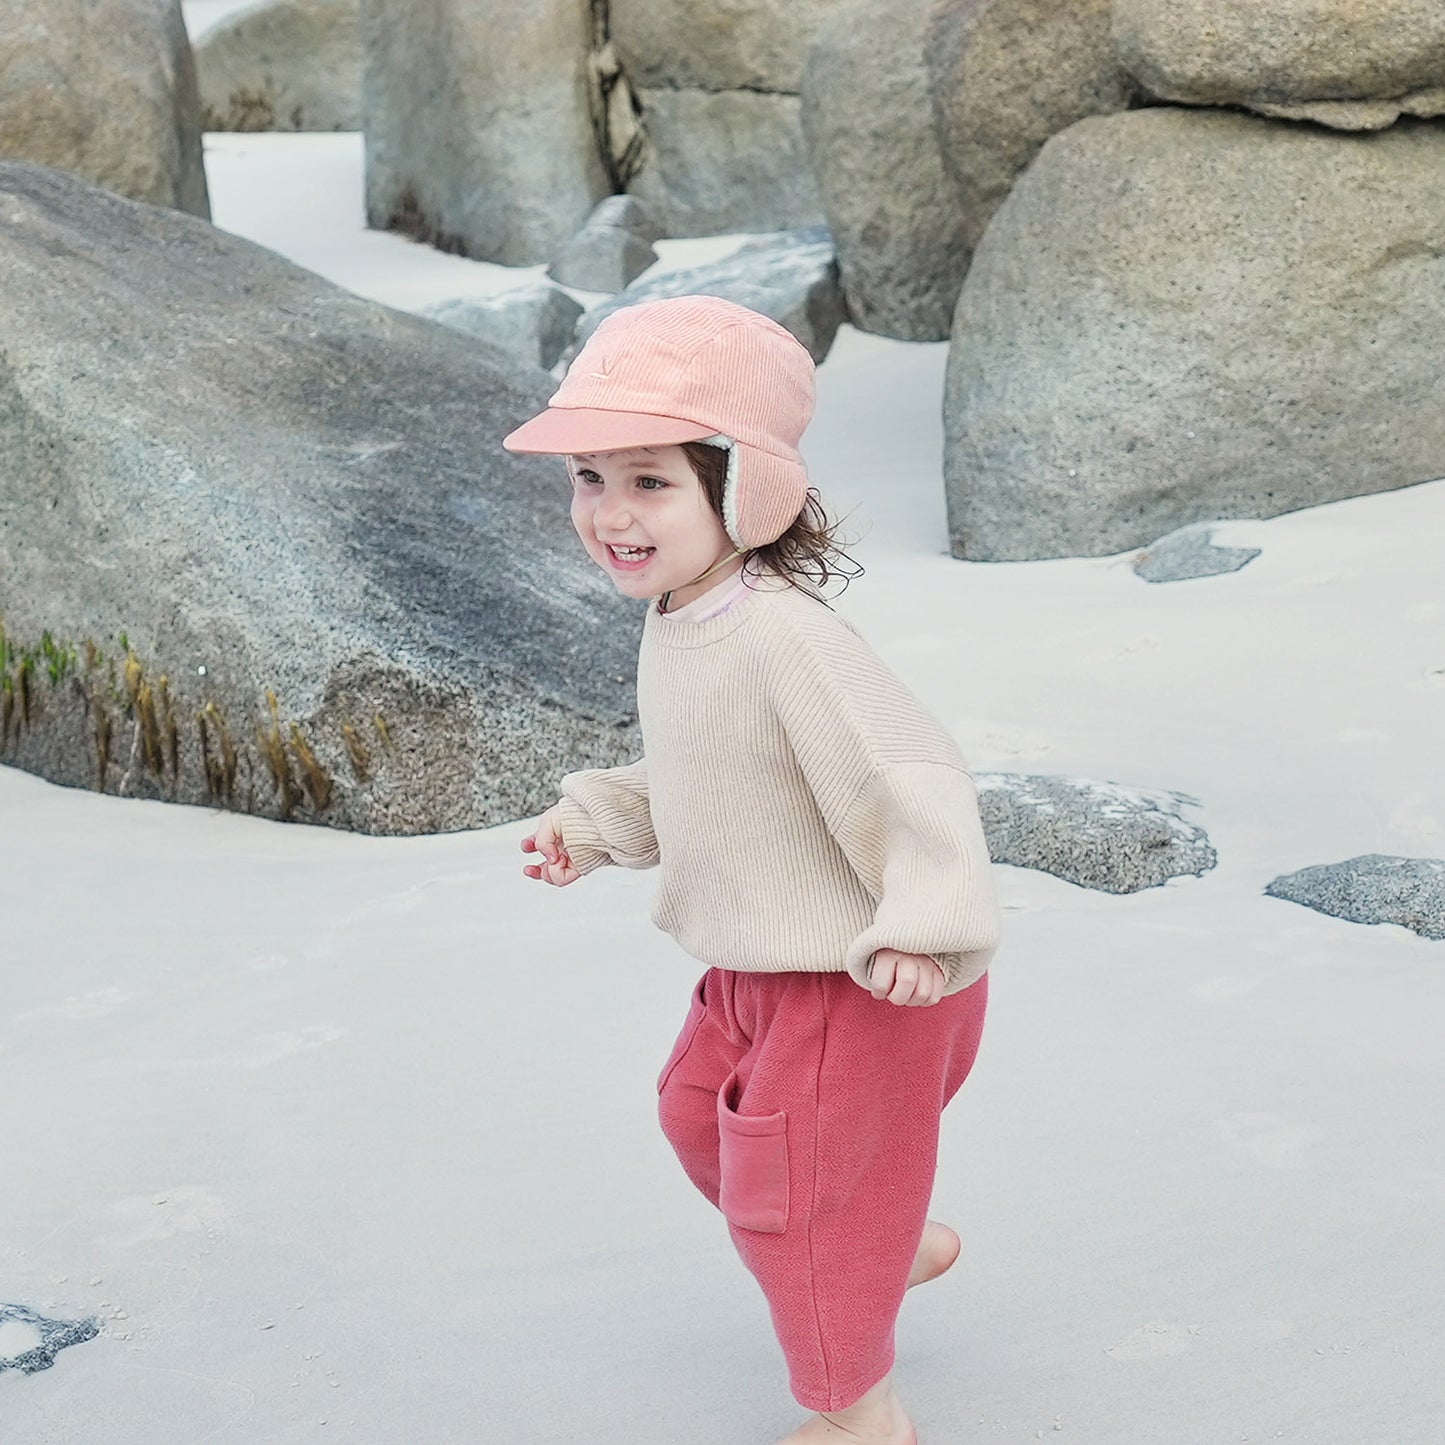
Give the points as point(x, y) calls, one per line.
point(612, 514)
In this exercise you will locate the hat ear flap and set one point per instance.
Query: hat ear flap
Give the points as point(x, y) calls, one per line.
point(730, 498)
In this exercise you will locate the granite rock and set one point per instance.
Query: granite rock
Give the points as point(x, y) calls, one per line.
point(715, 162)
point(532, 323)
point(1190, 552)
point(104, 89)
point(1186, 315)
point(479, 129)
point(1098, 835)
point(1373, 888)
point(1339, 63)
point(1004, 76)
point(290, 65)
point(873, 146)
point(792, 277)
point(260, 547)
point(611, 251)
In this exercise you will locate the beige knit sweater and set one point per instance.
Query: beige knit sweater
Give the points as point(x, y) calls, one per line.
point(804, 807)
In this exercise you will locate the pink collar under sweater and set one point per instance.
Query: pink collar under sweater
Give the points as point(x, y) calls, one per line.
point(712, 603)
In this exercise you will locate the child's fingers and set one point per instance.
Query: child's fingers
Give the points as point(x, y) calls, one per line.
point(931, 983)
point(930, 987)
point(880, 975)
point(905, 982)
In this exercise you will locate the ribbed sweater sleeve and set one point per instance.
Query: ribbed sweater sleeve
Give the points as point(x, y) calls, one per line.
point(915, 839)
point(605, 818)
point(898, 801)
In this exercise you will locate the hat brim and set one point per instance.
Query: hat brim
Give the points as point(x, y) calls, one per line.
point(581, 430)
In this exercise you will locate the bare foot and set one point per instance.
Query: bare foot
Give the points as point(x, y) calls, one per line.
point(877, 1418)
point(937, 1250)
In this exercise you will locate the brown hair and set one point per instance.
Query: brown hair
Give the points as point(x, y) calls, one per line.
point(808, 555)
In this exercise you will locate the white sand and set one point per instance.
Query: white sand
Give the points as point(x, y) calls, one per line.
point(351, 1138)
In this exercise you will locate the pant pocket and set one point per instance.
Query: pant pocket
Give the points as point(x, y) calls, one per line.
point(753, 1163)
point(696, 1009)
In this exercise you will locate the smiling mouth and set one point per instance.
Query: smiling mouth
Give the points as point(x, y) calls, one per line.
point(629, 556)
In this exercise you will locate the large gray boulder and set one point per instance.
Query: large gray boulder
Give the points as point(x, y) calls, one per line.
point(1004, 76)
point(260, 547)
point(1373, 888)
point(1342, 63)
point(1179, 316)
point(105, 89)
point(720, 161)
point(718, 90)
point(792, 277)
point(479, 131)
point(873, 146)
point(1098, 835)
point(756, 45)
point(290, 65)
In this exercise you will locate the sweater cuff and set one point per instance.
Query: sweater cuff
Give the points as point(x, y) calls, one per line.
point(960, 969)
point(581, 838)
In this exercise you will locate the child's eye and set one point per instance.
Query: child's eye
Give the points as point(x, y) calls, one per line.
point(651, 484)
point(587, 477)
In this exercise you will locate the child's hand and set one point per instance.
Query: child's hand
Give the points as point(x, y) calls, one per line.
point(913, 979)
point(556, 867)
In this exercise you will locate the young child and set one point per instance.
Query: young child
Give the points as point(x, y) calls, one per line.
point(816, 829)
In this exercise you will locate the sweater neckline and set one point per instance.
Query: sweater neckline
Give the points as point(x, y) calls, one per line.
point(665, 631)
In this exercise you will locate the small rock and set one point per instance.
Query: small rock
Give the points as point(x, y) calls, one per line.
point(611, 251)
point(791, 276)
point(533, 323)
point(32, 1340)
point(1189, 552)
point(1095, 834)
point(1373, 888)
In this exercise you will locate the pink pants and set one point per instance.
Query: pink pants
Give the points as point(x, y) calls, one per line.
point(808, 1111)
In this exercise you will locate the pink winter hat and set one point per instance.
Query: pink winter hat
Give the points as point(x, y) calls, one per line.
point(692, 368)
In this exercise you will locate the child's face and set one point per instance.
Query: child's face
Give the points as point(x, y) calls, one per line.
point(645, 520)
